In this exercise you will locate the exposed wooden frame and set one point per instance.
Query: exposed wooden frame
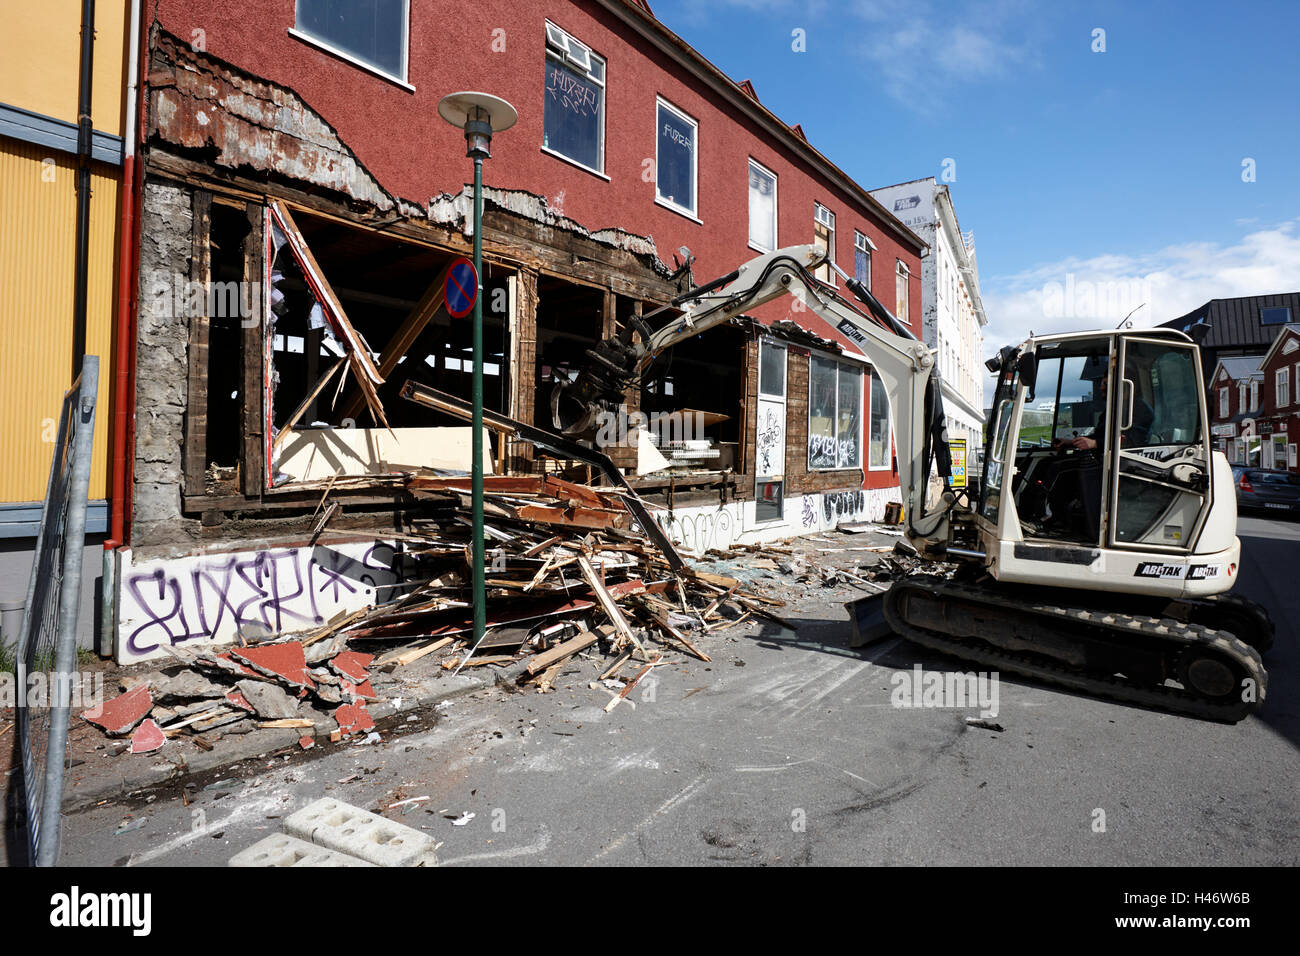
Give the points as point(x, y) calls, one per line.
point(196, 399)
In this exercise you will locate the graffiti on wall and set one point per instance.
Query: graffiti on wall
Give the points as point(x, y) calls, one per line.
point(701, 530)
point(839, 505)
point(212, 598)
point(770, 443)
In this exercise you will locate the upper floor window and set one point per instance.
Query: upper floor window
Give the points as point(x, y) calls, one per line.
point(1283, 386)
point(900, 311)
point(370, 33)
point(1223, 403)
point(824, 238)
point(1254, 394)
point(862, 247)
point(574, 122)
point(762, 207)
point(675, 158)
point(1279, 315)
point(1241, 398)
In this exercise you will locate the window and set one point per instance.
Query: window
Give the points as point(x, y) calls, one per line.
point(862, 258)
point(762, 208)
point(900, 312)
point(771, 369)
point(834, 415)
point(881, 444)
point(1254, 394)
point(370, 33)
point(574, 122)
point(675, 157)
point(1280, 315)
point(824, 238)
point(1241, 399)
point(1223, 403)
point(1283, 388)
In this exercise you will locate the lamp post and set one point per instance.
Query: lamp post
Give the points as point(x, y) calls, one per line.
point(479, 115)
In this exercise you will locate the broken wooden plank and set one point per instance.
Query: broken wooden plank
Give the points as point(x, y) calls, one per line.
point(610, 606)
point(667, 627)
point(636, 679)
point(287, 429)
point(540, 662)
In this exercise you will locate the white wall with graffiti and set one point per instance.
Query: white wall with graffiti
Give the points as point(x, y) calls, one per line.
point(697, 529)
point(210, 598)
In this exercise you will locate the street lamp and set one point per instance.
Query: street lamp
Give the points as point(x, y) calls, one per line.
point(479, 115)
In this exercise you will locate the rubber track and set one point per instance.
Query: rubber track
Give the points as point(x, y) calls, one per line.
point(1103, 685)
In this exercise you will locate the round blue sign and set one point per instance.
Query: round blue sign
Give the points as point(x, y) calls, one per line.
point(461, 288)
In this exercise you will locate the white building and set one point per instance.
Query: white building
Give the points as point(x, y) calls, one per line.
point(952, 312)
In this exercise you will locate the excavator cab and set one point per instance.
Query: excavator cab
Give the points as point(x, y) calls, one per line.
point(1099, 456)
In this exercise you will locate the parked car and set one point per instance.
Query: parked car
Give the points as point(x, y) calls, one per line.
point(1261, 489)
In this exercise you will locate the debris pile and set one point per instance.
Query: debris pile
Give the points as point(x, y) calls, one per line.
point(569, 571)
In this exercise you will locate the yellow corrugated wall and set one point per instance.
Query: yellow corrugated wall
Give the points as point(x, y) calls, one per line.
point(37, 255)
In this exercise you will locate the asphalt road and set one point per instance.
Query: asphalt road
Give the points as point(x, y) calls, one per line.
point(787, 750)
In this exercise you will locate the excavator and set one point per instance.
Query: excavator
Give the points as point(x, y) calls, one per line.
point(1097, 549)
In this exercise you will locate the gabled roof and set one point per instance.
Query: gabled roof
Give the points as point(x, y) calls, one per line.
point(1234, 323)
point(1286, 332)
point(1238, 368)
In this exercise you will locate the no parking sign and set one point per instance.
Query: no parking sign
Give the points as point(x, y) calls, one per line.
point(461, 288)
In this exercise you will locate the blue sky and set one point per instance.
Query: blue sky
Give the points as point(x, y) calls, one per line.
point(1118, 172)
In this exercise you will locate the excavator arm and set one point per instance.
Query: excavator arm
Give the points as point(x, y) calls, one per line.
point(904, 364)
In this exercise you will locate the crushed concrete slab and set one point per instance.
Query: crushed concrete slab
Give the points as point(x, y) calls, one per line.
point(121, 714)
point(353, 665)
point(187, 685)
point(348, 829)
point(285, 850)
point(269, 701)
point(147, 738)
point(284, 661)
point(354, 719)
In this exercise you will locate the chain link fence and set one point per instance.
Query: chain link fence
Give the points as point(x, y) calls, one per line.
point(47, 641)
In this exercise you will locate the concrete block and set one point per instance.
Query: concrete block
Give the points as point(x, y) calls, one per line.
point(285, 850)
point(348, 829)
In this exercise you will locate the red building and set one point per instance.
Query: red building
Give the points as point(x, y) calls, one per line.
point(291, 145)
point(1254, 408)
point(1279, 415)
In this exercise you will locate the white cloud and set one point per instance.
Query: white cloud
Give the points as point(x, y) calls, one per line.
point(918, 45)
point(1077, 294)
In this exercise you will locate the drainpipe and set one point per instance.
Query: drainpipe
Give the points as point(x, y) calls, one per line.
point(84, 131)
point(123, 363)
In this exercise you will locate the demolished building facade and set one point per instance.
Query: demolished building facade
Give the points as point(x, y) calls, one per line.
point(299, 206)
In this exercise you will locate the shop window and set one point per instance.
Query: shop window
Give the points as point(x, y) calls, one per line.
point(834, 415)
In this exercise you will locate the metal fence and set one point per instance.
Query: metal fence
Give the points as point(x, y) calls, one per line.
point(47, 642)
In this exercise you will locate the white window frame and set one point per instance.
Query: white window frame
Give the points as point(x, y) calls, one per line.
point(822, 216)
point(1254, 394)
point(1223, 402)
point(692, 214)
point(1241, 397)
point(862, 371)
point(862, 243)
point(557, 36)
point(900, 269)
point(755, 164)
point(1282, 387)
point(311, 38)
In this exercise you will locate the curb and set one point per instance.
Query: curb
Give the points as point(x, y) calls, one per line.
point(253, 744)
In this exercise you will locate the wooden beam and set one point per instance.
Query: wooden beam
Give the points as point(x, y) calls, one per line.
point(196, 399)
point(254, 357)
point(430, 305)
